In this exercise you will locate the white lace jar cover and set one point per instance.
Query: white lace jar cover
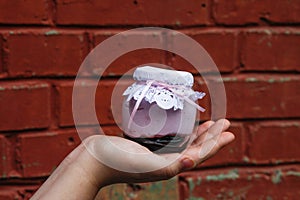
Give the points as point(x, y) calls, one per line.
point(169, 89)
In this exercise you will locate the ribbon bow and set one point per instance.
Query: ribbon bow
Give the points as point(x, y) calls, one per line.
point(171, 88)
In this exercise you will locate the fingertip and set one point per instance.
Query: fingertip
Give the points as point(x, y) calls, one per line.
point(187, 163)
point(227, 137)
point(206, 125)
point(209, 124)
point(225, 122)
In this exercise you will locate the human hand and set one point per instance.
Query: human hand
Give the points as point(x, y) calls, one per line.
point(128, 161)
point(103, 160)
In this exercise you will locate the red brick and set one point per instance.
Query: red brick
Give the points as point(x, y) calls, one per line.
point(112, 130)
point(109, 109)
point(65, 113)
point(271, 49)
point(126, 62)
point(214, 107)
point(242, 183)
point(176, 13)
point(3, 156)
point(7, 156)
point(24, 105)
point(1, 56)
point(51, 52)
point(274, 142)
point(262, 96)
point(256, 12)
point(233, 153)
point(166, 189)
point(103, 103)
point(20, 12)
point(220, 44)
point(11, 192)
point(40, 153)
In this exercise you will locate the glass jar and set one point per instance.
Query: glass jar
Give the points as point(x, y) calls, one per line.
point(159, 109)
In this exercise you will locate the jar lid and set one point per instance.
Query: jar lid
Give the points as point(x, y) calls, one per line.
point(171, 77)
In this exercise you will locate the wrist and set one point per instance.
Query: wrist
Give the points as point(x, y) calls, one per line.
point(97, 173)
point(79, 176)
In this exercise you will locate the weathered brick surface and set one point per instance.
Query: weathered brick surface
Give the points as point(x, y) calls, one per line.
point(4, 156)
point(64, 108)
point(156, 190)
point(40, 153)
point(127, 61)
point(256, 12)
point(137, 12)
point(251, 96)
point(220, 44)
point(17, 192)
point(8, 195)
point(41, 53)
point(8, 165)
point(274, 142)
point(241, 183)
point(112, 130)
point(1, 56)
point(255, 45)
point(262, 96)
point(108, 110)
point(271, 49)
point(20, 12)
point(24, 105)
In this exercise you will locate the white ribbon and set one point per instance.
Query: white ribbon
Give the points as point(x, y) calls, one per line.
point(172, 88)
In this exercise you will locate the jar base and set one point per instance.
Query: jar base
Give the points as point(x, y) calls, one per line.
point(164, 144)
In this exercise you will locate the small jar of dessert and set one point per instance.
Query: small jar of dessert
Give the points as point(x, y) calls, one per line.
point(159, 110)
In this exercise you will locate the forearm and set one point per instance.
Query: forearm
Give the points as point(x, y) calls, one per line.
point(79, 176)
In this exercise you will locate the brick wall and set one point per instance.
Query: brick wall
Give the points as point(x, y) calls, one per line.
point(256, 45)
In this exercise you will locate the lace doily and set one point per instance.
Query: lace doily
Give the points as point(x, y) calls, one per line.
point(165, 98)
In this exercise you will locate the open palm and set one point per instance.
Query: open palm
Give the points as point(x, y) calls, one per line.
point(132, 162)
